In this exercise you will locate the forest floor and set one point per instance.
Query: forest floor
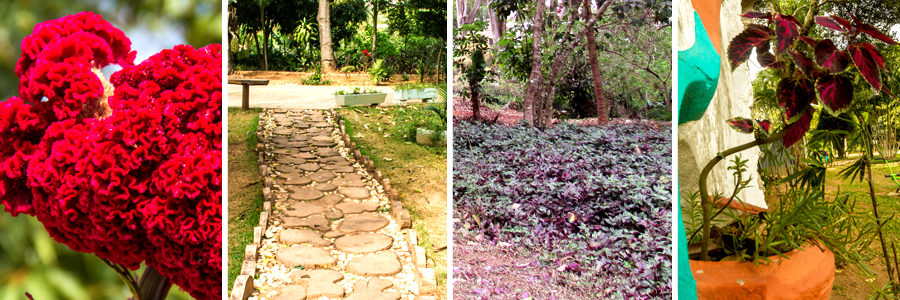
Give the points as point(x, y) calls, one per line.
point(418, 172)
point(462, 110)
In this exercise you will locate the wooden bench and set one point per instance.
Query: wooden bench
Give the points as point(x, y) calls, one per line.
point(246, 83)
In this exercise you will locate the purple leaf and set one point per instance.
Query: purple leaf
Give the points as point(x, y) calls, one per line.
point(766, 59)
point(869, 62)
point(757, 15)
point(829, 57)
point(794, 94)
point(875, 33)
point(765, 125)
point(832, 23)
point(739, 49)
point(785, 32)
point(742, 125)
point(809, 41)
point(805, 64)
point(796, 132)
point(835, 91)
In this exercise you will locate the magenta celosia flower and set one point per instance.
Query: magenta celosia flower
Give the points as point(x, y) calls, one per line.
point(128, 169)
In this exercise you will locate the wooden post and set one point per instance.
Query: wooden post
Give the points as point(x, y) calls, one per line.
point(245, 97)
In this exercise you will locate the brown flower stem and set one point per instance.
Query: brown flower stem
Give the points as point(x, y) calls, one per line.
point(153, 285)
point(705, 202)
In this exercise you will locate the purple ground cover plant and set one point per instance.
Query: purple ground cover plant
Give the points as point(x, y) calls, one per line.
point(597, 199)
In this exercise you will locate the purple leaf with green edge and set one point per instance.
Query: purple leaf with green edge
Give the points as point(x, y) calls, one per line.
point(742, 125)
point(829, 57)
point(800, 128)
point(835, 92)
point(809, 41)
point(765, 125)
point(805, 64)
point(766, 59)
point(762, 48)
point(739, 48)
point(844, 22)
point(785, 32)
point(868, 61)
point(875, 33)
point(830, 23)
point(794, 94)
point(757, 15)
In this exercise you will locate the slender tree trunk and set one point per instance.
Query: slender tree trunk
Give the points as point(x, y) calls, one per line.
point(374, 27)
point(599, 96)
point(325, 44)
point(262, 19)
point(258, 49)
point(536, 78)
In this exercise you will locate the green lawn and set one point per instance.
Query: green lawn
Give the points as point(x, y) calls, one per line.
point(245, 196)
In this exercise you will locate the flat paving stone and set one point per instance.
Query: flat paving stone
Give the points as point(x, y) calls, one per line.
point(300, 236)
point(305, 155)
point(283, 131)
point(327, 152)
point(282, 159)
point(293, 144)
point(309, 167)
point(381, 264)
point(362, 224)
point(356, 208)
point(324, 144)
point(322, 176)
point(336, 160)
point(355, 192)
point(308, 257)
point(306, 149)
point(325, 187)
point(364, 243)
point(292, 292)
point(321, 283)
point(301, 125)
point(347, 180)
point(284, 151)
point(315, 222)
point(304, 209)
point(306, 194)
point(286, 169)
point(343, 169)
point(331, 200)
point(334, 234)
point(334, 214)
point(297, 180)
point(372, 289)
point(322, 139)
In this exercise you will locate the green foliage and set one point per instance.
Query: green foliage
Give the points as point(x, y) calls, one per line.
point(357, 91)
point(316, 78)
point(379, 72)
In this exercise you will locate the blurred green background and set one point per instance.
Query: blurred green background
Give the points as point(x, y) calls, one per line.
point(30, 260)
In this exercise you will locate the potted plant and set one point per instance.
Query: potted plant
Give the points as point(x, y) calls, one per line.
point(433, 133)
point(359, 95)
point(415, 91)
point(802, 224)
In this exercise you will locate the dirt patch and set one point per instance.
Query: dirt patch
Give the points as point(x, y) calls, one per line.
point(337, 79)
point(462, 110)
point(244, 186)
point(419, 173)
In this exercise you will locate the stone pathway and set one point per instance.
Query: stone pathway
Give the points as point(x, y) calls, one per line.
point(331, 229)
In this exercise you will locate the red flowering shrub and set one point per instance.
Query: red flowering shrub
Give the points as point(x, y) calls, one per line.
point(129, 169)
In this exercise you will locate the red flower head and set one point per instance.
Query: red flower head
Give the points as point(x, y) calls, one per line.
point(128, 169)
point(365, 51)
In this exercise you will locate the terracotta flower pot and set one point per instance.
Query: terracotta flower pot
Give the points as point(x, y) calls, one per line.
point(808, 274)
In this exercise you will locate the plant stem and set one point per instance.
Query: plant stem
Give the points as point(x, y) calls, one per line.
point(704, 194)
point(887, 260)
point(153, 285)
point(126, 276)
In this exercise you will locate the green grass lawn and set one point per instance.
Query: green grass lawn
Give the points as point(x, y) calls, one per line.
point(245, 196)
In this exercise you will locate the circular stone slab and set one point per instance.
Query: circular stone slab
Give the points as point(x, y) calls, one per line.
point(297, 180)
point(304, 155)
point(355, 208)
point(291, 292)
point(306, 149)
point(322, 176)
point(324, 144)
point(325, 187)
point(300, 236)
point(336, 160)
point(304, 209)
point(326, 152)
point(334, 214)
point(362, 223)
point(363, 243)
point(306, 194)
point(309, 167)
point(355, 192)
point(349, 180)
point(382, 264)
point(322, 125)
point(301, 125)
point(320, 282)
point(322, 139)
point(306, 256)
point(283, 131)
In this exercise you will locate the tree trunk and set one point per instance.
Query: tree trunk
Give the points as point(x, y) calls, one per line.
point(258, 49)
point(536, 78)
point(262, 20)
point(325, 44)
point(498, 26)
point(599, 96)
point(374, 27)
